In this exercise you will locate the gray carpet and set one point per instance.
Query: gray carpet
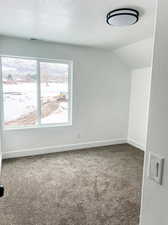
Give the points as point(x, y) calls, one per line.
point(98, 186)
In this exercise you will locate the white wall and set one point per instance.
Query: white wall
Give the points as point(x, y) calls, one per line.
point(138, 54)
point(139, 105)
point(100, 98)
point(155, 197)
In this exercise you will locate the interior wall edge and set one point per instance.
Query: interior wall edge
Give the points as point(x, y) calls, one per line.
point(136, 144)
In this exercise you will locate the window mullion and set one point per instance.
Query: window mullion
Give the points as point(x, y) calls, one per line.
point(38, 94)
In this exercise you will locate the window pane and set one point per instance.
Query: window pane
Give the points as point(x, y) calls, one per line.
point(19, 91)
point(54, 92)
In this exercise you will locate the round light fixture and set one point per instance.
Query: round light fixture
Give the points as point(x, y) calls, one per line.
point(122, 17)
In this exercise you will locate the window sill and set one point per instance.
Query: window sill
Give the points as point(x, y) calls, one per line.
point(38, 127)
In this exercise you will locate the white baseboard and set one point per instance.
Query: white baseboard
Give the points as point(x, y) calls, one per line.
point(61, 148)
point(135, 144)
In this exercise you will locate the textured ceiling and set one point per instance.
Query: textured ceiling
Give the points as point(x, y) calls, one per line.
point(75, 22)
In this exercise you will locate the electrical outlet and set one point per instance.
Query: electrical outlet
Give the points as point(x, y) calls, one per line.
point(155, 170)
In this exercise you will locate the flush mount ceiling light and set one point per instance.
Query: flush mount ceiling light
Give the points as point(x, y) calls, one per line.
point(122, 17)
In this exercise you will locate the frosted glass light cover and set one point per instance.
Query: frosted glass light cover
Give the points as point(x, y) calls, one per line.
point(122, 20)
point(122, 17)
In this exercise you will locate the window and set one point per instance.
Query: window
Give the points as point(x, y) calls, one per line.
point(36, 92)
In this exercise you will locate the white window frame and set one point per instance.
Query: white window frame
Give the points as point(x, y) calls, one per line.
point(70, 94)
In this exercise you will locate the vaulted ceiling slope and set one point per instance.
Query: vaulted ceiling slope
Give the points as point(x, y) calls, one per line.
point(75, 22)
point(137, 55)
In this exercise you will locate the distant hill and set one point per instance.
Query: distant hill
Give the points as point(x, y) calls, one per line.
point(18, 68)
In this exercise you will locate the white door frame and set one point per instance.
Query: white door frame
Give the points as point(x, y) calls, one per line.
point(1, 119)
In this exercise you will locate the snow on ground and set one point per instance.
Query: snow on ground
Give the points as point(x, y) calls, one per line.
point(53, 89)
point(58, 116)
point(21, 99)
